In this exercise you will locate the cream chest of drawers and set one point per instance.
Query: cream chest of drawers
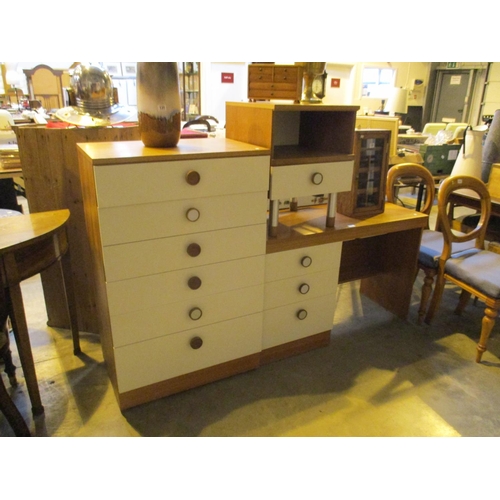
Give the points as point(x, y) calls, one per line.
point(179, 238)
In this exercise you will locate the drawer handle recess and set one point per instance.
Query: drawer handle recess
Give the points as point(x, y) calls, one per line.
point(194, 282)
point(193, 214)
point(304, 288)
point(193, 177)
point(302, 314)
point(193, 249)
point(306, 261)
point(195, 314)
point(196, 342)
point(317, 178)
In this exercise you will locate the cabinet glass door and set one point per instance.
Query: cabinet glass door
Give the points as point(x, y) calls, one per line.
point(369, 174)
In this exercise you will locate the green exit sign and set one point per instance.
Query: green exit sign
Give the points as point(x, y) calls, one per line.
point(451, 65)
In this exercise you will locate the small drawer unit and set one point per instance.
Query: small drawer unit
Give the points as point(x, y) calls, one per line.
point(180, 244)
point(300, 293)
point(311, 150)
point(274, 81)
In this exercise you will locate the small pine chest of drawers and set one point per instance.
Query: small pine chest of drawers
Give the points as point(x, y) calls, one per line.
point(274, 81)
point(179, 241)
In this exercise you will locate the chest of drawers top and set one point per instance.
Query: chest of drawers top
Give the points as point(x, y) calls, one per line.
point(125, 152)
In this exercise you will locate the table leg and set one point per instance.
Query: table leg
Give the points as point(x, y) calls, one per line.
point(20, 328)
point(11, 413)
point(71, 300)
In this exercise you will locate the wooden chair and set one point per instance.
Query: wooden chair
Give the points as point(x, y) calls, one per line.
point(476, 271)
point(430, 239)
point(46, 85)
point(431, 244)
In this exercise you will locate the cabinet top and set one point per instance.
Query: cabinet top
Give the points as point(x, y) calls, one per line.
point(294, 107)
point(105, 153)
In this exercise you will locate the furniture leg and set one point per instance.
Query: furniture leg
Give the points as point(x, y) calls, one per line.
point(273, 217)
point(436, 299)
point(12, 414)
point(71, 300)
point(331, 210)
point(425, 293)
point(21, 334)
point(463, 301)
point(488, 322)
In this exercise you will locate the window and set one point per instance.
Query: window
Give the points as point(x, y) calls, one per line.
point(377, 82)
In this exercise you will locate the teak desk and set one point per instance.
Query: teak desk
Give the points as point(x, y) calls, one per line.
point(381, 251)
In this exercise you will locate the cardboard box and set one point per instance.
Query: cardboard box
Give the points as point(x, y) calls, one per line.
point(439, 159)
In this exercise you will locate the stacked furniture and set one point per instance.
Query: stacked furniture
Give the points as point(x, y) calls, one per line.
point(192, 284)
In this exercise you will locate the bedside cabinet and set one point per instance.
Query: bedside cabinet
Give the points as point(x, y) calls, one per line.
point(179, 239)
point(367, 196)
point(274, 81)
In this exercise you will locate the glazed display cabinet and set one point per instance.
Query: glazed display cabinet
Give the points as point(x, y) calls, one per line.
point(367, 196)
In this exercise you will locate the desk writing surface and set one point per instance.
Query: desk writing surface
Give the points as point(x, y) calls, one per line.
point(306, 227)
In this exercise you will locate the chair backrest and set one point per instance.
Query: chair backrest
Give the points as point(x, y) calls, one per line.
point(411, 170)
point(433, 128)
point(459, 132)
point(446, 189)
point(6, 120)
point(454, 125)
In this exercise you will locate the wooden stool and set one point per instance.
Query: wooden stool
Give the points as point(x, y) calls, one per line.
point(30, 244)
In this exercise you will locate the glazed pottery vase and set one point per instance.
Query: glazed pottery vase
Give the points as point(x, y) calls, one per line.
point(469, 159)
point(158, 104)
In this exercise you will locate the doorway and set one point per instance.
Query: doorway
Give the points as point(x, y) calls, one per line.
point(452, 97)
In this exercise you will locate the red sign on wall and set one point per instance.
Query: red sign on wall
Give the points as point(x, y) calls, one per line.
point(335, 83)
point(227, 77)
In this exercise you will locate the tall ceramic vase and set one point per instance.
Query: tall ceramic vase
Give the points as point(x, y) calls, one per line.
point(158, 104)
point(469, 159)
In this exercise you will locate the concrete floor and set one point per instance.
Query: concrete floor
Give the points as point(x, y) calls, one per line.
point(380, 376)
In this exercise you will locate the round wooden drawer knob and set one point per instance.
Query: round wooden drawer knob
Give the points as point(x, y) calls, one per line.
point(302, 314)
point(193, 177)
point(196, 342)
point(193, 214)
point(304, 288)
point(317, 178)
point(306, 261)
point(193, 249)
point(195, 314)
point(194, 282)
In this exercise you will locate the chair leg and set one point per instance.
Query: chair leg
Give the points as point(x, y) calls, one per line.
point(462, 302)
point(436, 299)
point(490, 315)
point(425, 293)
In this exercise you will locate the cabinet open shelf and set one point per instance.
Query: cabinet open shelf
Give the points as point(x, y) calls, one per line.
point(295, 133)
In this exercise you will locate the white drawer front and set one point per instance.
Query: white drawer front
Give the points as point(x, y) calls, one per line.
point(146, 363)
point(281, 324)
point(153, 322)
point(143, 258)
point(314, 178)
point(127, 296)
point(299, 288)
point(134, 184)
point(301, 261)
point(157, 220)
